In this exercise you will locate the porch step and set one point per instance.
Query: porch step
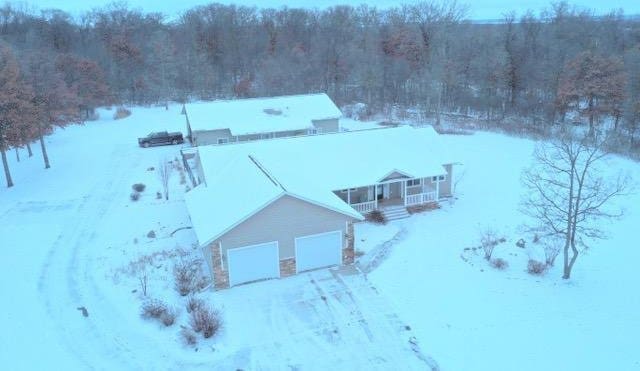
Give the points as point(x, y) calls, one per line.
point(395, 212)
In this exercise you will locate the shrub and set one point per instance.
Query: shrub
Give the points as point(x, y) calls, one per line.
point(499, 263)
point(121, 113)
point(184, 275)
point(206, 320)
point(138, 187)
point(551, 251)
point(189, 336)
point(168, 318)
point(158, 196)
point(489, 240)
point(521, 243)
point(535, 267)
point(157, 309)
point(376, 216)
point(135, 196)
point(153, 308)
point(194, 304)
point(151, 234)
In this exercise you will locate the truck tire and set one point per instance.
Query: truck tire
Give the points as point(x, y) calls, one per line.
point(145, 144)
point(174, 142)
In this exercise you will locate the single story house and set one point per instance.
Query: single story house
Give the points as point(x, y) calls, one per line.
point(239, 120)
point(268, 209)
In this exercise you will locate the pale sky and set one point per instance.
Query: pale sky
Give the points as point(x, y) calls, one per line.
point(479, 9)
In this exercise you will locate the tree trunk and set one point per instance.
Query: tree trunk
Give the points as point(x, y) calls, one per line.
point(5, 164)
point(591, 118)
point(17, 154)
point(44, 152)
point(29, 149)
point(569, 266)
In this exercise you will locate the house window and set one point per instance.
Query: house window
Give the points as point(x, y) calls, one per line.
point(437, 178)
point(413, 182)
point(313, 131)
point(223, 140)
point(265, 136)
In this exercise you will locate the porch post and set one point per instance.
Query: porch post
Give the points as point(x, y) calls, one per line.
point(375, 194)
point(405, 193)
point(438, 188)
point(349, 196)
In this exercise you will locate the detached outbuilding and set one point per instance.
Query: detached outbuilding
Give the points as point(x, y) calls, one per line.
point(269, 209)
point(241, 120)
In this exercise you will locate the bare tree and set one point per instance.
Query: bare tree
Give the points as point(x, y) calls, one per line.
point(568, 192)
point(164, 173)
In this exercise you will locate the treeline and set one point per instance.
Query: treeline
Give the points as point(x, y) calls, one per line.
point(538, 67)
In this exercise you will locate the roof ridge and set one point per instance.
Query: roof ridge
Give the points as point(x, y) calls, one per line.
point(263, 97)
point(266, 173)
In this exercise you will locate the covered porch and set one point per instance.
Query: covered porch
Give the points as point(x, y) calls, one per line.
point(392, 193)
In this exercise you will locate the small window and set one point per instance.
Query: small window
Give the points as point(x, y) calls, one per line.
point(312, 131)
point(413, 182)
point(265, 136)
point(437, 178)
point(223, 140)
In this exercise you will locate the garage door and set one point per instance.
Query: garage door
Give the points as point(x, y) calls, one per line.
point(318, 250)
point(253, 263)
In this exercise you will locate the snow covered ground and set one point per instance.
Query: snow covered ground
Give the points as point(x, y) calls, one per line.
point(71, 238)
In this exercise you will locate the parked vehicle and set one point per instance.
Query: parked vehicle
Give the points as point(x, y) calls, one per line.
point(160, 138)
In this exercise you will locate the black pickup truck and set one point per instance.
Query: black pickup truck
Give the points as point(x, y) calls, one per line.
point(160, 138)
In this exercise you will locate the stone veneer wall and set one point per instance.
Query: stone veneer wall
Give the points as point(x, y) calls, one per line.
point(287, 267)
point(220, 276)
point(348, 252)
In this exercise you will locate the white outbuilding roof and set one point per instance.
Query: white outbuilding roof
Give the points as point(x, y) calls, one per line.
point(243, 178)
point(262, 115)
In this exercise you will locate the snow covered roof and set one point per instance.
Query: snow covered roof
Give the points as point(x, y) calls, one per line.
point(262, 115)
point(243, 178)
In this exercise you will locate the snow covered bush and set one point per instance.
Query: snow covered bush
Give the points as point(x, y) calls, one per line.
point(157, 309)
point(187, 277)
point(206, 320)
point(138, 187)
point(121, 113)
point(489, 240)
point(551, 250)
point(194, 304)
point(135, 196)
point(151, 234)
point(189, 336)
point(499, 263)
point(168, 318)
point(535, 267)
point(376, 216)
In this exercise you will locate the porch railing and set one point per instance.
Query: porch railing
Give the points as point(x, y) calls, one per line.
point(364, 207)
point(420, 198)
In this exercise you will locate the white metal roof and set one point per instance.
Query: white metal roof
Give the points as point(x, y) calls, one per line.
point(243, 178)
point(261, 115)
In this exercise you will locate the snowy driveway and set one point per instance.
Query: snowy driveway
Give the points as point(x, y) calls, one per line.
point(324, 319)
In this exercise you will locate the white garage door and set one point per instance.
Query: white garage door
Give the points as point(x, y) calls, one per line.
point(318, 250)
point(253, 263)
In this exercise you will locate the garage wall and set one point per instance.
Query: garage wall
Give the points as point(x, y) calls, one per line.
point(205, 137)
point(327, 126)
point(282, 221)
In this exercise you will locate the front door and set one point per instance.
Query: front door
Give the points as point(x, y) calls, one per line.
point(381, 191)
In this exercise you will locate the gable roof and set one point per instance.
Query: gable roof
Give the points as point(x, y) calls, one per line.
point(239, 189)
point(262, 115)
point(242, 179)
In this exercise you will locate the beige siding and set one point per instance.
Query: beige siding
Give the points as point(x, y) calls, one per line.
point(327, 126)
point(206, 137)
point(283, 221)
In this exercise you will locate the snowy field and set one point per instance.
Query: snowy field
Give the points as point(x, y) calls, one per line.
point(71, 238)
